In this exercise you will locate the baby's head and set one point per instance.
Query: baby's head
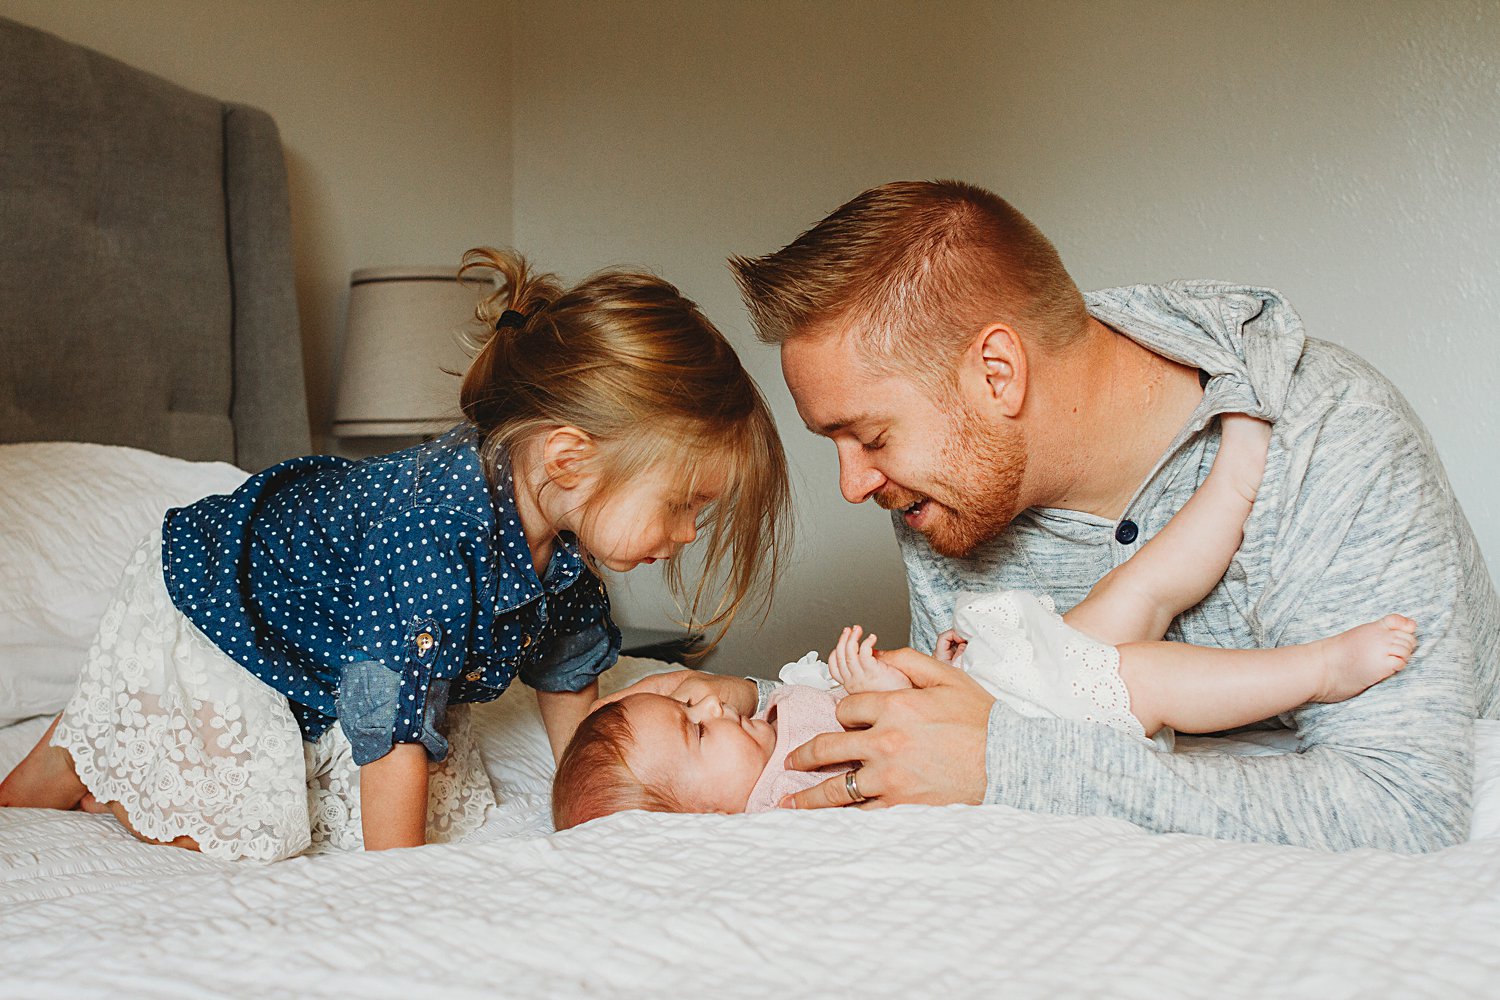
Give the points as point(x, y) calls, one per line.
point(660, 754)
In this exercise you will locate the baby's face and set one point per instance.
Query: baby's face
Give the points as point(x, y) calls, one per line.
point(704, 751)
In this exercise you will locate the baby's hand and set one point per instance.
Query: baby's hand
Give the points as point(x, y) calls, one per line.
point(857, 667)
point(949, 645)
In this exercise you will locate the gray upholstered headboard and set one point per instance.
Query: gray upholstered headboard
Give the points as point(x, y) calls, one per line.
point(146, 291)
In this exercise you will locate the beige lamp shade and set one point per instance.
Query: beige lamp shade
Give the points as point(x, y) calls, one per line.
point(404, 329)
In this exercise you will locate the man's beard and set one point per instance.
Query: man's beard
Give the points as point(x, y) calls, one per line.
point(975, 487)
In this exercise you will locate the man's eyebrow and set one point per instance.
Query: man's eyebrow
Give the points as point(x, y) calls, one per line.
point(832, 428)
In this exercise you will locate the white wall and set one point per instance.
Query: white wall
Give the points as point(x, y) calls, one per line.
point(1345, 153)
point(395, 117)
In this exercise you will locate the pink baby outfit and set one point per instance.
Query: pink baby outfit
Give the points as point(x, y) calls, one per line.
point(800, 713)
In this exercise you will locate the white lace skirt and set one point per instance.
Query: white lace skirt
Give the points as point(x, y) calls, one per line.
point(1022, 651)
point(192, 744)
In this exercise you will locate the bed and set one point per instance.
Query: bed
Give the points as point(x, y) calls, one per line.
point(168, 210)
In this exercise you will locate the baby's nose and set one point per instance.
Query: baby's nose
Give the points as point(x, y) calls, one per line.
point(707, 707)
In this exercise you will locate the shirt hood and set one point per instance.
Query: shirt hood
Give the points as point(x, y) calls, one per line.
point(1247, 339)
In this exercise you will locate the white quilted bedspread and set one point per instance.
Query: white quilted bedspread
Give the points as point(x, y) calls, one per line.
point(906, 902)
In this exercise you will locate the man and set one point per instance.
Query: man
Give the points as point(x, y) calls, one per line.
point(1026, 436)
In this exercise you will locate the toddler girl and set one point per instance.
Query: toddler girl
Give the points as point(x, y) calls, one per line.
point(290, 665)
point(1102, 662)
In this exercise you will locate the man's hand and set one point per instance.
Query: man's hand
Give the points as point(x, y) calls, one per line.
point(690, 686)
point(922, 745)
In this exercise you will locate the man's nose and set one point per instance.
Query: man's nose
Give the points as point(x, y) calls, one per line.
point(858, 479)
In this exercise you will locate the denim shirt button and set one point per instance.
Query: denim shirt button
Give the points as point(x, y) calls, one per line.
point(473, 675)
point(525, 640)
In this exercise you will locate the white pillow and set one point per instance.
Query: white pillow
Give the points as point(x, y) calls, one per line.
point(70, 515)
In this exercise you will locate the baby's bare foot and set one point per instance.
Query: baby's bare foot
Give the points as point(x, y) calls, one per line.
point(45, 779)
point(1366, 655)
point(1243, 443)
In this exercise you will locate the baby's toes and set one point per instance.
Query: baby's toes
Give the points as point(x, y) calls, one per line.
point(1399, 623)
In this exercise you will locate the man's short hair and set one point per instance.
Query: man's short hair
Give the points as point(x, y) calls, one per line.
point(919, 267)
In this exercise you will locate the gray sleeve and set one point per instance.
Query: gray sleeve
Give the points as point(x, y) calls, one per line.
point(763, 689)
point(1367, 527)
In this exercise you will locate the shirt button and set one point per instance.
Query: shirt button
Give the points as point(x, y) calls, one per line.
point(525, 640)
point(473, 675)
point(1126, 532)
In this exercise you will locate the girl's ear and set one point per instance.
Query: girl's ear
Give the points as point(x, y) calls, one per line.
point(566, 453)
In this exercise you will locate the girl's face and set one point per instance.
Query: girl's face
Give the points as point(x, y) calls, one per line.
point(646, 520)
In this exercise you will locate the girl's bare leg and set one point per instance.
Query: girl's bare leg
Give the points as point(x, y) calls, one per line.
point(92, 805)
point(1197, 689)
point(45, 779)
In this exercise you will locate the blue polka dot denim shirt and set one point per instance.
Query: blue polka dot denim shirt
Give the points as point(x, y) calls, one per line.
point(378, 592)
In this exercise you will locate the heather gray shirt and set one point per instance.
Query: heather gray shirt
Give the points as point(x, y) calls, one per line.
point(1355, 519)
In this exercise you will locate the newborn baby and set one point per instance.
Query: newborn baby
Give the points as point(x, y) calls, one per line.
point(689, 752)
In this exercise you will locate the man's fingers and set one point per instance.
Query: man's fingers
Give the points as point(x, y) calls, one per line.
point(858, 712)
point(655, 684)
point(829, 794)
point(922, 670)
point(828, 748)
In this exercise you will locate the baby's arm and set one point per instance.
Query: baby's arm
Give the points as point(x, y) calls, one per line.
point(856, 666)
point(1197, 689)
point(1137, 600)
point(393, 798)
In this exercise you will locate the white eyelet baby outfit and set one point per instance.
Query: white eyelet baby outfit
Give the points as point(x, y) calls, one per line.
point(1023, 653)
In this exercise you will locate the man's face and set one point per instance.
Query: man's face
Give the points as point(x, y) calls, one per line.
point(953, 472)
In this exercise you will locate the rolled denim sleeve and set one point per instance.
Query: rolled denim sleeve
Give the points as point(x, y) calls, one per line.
point(572, 661)
point(369, 704)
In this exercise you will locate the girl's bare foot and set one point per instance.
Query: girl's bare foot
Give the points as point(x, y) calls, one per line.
point(45, 779)
point(1365, 655)
point(90, 804)
point(1243, 443)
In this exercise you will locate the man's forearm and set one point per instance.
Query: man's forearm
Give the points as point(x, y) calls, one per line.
point(1414, 799)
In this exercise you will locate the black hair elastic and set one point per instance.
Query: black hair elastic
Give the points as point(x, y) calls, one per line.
point(511, 319)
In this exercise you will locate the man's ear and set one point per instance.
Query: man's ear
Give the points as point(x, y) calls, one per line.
point(998, 370)
point(566, 452)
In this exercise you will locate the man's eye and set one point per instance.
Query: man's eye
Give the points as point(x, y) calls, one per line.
point(876, 444)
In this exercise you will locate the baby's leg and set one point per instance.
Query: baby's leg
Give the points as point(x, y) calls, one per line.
point(1137, 600)
point(855, 665)
point(45, 779)
point(1197, 689)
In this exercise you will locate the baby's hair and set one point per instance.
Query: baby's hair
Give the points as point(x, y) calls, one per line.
point(594, 777)
point(626, 358)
